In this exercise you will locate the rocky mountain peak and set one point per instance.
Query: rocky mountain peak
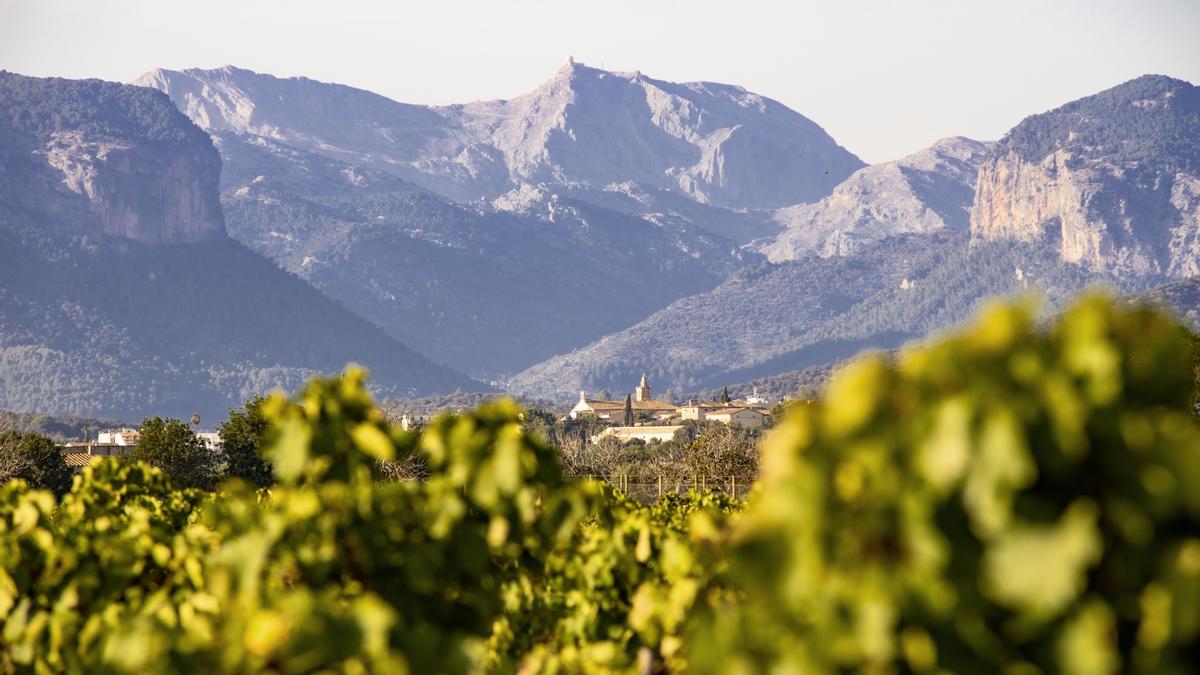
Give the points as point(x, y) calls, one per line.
point(924, 192)
point(106, 158)
point(714, 143)
point(1110, 180)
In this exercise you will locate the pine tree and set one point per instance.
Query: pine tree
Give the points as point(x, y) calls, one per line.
point(628, 410)
point(242, 437)
point(173, 447)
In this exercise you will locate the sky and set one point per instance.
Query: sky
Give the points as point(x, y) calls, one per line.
point(883, 78)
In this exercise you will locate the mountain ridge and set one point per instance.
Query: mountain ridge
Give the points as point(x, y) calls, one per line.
point(716, 143)
point(1111, 180)
point(108, 303)
point(923, 192)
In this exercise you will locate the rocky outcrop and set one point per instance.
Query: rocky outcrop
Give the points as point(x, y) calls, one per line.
point(119, 161)
point(1130, 219)
point(1110, 181)
point(97, 315)
point(717, 144)
point(924, 192)
point(146, 193)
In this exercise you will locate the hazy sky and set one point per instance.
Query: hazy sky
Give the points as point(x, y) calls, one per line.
point(884, 78)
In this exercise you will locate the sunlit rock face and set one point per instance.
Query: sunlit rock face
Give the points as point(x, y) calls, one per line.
point(142, 193)
point(1110, 180)
point(717, 144)
point(925, 192)
point(108, 159)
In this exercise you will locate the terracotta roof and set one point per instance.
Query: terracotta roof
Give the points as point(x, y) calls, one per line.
point(637, 405)
point(77, 460)
point(728, 411)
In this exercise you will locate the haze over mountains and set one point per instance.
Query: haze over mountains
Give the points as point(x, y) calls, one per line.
point(589, 203)
point(1110, 181)
point(120, 293)
point(1098, 191)
point(922, 193)
point(716, 143)
point(566, 239)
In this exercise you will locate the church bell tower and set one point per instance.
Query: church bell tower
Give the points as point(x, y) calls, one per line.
point(643, 393)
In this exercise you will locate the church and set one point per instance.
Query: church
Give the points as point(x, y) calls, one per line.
point(643, 403)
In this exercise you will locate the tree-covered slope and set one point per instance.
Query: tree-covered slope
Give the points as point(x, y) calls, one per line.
point(120, 294)
point(785, 317)
point(487, 290)
point(123, 329)
point(1112, 180)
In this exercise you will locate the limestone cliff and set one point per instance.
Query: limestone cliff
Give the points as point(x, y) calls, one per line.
point(1109, 180)
point(106, 158)
point(925, 192)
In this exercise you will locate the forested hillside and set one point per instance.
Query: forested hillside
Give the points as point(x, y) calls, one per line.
point(778, 318)
point(926, 513)
point(120, 294)
point(489, 290)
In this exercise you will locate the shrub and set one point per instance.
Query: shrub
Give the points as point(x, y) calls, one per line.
point(1010, 499)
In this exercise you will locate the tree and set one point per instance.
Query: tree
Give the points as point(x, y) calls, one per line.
point(725, 395)
point(628, 410)
point(36, 460)
point(171, 446)
point(242, 438)
point(722, 451)
point(951, 482)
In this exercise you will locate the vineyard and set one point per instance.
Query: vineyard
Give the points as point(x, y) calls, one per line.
point(1016, 498)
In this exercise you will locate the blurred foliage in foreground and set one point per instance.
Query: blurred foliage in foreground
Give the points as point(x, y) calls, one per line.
point(1010, 499)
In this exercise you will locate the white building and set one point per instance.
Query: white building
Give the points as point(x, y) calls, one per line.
point(750, 418)
point(646, 434)
point(411, 420)
point(123, 437)
point(212, 440)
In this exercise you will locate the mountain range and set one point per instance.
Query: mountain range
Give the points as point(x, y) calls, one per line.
point(120, 293)
point(1099, 191)
point(579, 208)
point(716, 143)
point(570, 238)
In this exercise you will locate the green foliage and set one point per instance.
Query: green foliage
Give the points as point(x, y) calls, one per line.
point(1007, 500)
point(242, 438)
point(34, 459)
point(1015, 498)
point(79, 583)
point(328, 569)
point(617, 597)
point(172, 447)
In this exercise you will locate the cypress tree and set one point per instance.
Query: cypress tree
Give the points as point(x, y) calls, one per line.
point(628, 410)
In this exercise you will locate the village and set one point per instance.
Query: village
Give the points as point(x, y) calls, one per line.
point(641, 417)
point(119, 443)
point(637, 417)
